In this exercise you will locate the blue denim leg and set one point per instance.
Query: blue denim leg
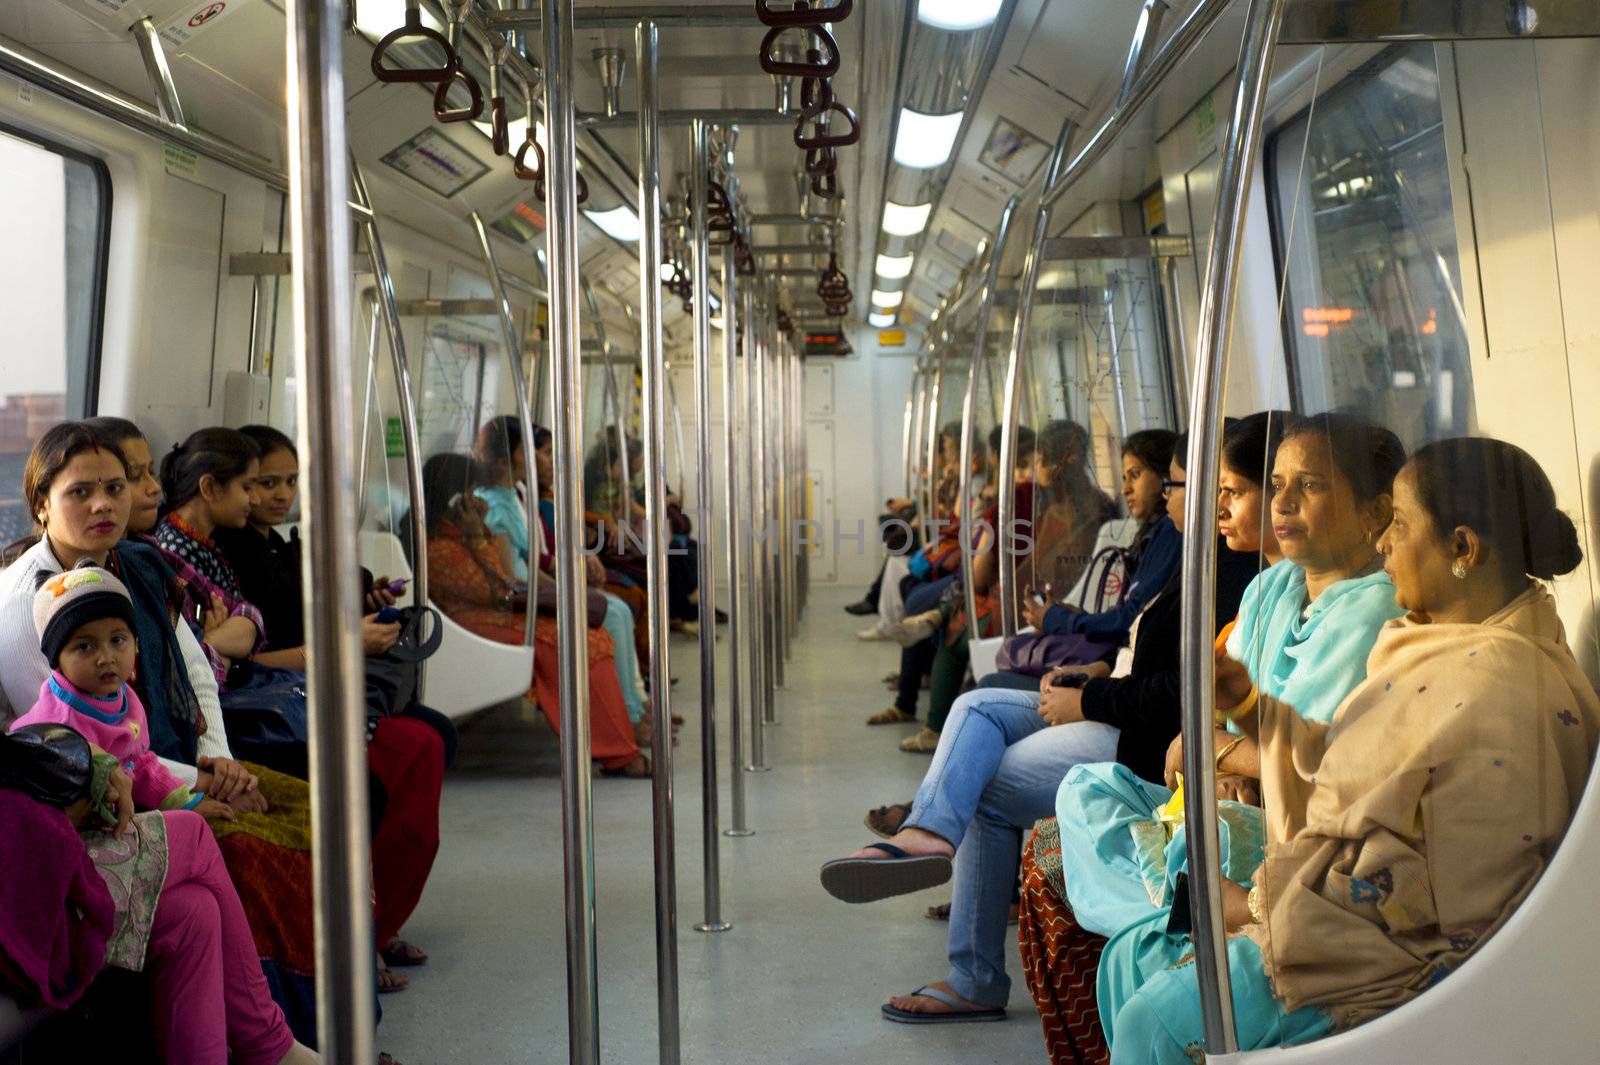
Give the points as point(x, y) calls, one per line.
point(1007, 679)
point(1022, 791)
point(981, 725)
point(924, 597)
point(619, 623)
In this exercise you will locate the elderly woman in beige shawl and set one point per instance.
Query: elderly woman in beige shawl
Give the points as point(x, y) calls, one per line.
point(1404, 833)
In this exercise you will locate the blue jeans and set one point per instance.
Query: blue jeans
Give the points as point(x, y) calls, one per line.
point(995, 773)
point(619, 623)
point(1007, 679)
point(924, 597)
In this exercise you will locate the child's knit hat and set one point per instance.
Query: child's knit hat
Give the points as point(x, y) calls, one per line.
point(67, 600)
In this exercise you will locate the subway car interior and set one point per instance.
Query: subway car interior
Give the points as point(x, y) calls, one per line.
point(799, 531)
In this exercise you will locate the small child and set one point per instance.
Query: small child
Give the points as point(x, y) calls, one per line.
point(84, 618)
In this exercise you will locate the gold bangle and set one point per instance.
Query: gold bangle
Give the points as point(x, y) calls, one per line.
point(1228, 749)
point(1233, 714)
point(1257, 911)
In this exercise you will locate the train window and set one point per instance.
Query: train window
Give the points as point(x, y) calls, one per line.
point(1365, 235)
point(54, 212)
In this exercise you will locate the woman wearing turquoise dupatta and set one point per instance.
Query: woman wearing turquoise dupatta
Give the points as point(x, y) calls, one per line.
point(1305, 629)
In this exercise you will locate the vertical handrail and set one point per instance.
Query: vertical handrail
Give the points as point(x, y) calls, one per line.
point(1145, 33)
point(1173, 306)
point(1020, 326)
point(757, 323)
point(1217, 300)
point(390, 306)
point(519, 382)
point(935, 397)
point(769, 515)
point(159, 71)
point(319, 209)
point(731, 498)
point(908, 439)
point(366, 412)
point(561, 253)
point(782, 593)
point(969, 409)
point(652, 355)
point(624, 510)
point(700, 251)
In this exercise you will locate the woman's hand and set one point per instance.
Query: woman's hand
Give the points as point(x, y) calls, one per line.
point(379, 595)
point(213, 617)
point(1091, 669)
point(1235, 906)
point(212, 810)
point(1233, 682)
point(249, 802)
point(376, 636)
point(1033, 613)
point(596, 570)
point(223, 778)
point(119, 796)
point(1062, 706)
point(1174, 761)
point(1232, 787)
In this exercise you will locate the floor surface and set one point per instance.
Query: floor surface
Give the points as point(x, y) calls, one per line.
point(799, 978)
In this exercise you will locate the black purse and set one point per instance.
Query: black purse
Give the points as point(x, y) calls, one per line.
point(51, 764)
point(392, 676)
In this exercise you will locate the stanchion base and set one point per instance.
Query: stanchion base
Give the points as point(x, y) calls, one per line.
point(758, 769)
point(719, 926)
point(738, 833)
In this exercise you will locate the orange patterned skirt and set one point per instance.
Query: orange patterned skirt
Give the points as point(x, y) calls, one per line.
point(1059, 959)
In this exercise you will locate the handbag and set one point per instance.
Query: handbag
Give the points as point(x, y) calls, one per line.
point(393, 677)
point(49, 763)
point(1035, 654)
point(267, 707)
point(594, 603)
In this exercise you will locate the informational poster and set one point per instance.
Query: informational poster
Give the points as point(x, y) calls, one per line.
point(1013, 152)
point(436, 162)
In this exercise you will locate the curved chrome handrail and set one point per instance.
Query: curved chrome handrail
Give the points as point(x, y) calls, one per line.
point(991, 284)
point(519, 383)
point(1019, 338)
point(1217, 299)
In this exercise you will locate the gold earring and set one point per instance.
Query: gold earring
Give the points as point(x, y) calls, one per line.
point(1459, 570)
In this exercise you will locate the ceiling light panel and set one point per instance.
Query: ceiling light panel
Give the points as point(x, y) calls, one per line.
point(922, 141)
point(958, 14)
point(881, 320)
point(886, 300)
point(894, 267)
point(900, 220)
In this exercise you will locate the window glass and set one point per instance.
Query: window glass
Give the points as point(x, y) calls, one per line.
point(52, 205)
point(1373, 314)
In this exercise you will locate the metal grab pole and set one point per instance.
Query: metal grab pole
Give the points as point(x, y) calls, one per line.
point(731, 320)
point(519, 382)
point(652, 354)
point(624, 509)
point(577, 816)
point(366, 413)
point(1217, 300)
point(701, 255)
point(782, 593)
point(402, 383)
point(1019, 339)
point(319, 189)
point(769, 518)
point(756, 321)
point(969, 409)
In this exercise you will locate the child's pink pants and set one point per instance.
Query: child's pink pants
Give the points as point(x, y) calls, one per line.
point(211, 998)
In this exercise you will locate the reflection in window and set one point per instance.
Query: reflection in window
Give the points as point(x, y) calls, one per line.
point(53, 210)
point(1365, 232)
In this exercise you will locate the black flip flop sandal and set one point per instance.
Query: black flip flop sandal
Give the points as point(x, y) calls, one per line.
point(871, 879)
point(959, 1014)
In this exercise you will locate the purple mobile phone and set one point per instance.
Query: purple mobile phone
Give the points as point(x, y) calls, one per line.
point(388, 615)
point(396, 587)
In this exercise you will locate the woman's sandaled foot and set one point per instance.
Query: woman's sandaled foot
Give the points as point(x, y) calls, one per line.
point(924, 742)
point(637, 769)
point(892, 716)
point(937, 1004)
point(941, 912)
point(390, 981)
point(398, 953)
point(885, 821)
point(911, 861)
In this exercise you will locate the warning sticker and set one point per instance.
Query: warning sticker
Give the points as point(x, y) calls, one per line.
point(192, 21)
point(178, 160)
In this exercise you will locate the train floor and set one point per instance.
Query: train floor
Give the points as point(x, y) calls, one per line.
point(799, 978)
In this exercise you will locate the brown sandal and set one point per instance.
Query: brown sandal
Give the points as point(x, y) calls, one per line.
point(892, 716)
point(885, 821)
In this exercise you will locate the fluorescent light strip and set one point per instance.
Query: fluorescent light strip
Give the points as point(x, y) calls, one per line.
point(881, 320)
point(887, 300)
point(925, 141)
point(894, 267)
point(957, 14)
point(619, 222)
point(900, 220)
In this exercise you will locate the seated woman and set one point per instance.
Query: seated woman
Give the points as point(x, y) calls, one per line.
point(1059, 957)
point(76, 484)
point(170, 910)
point(499, 454)
point(1000, 760)
point(1304, 630)
point(468, 581)
point(1408, 846)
